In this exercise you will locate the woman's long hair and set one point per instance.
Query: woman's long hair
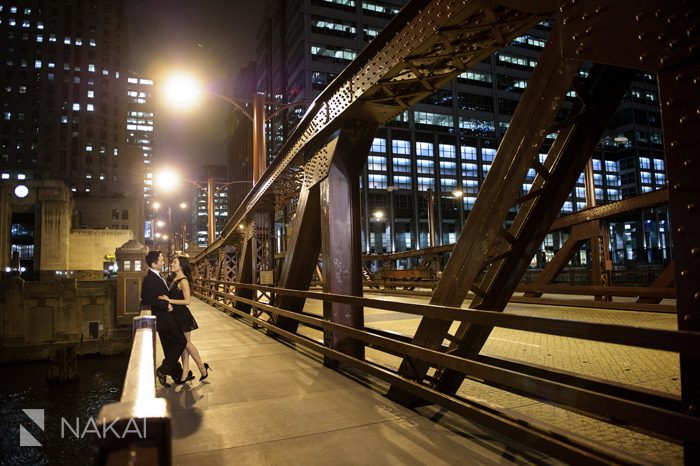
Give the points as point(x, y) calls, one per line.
point(186, 268)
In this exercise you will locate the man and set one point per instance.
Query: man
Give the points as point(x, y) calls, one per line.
point(171, 337)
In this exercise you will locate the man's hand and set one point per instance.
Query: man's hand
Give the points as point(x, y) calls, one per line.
point(170, 307)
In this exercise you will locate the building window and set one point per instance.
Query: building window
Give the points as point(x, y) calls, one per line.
point(402, 165)
point(376, 163)
point(402, 182)
point(424, 149)
point(378, 145)
point(399, 147)
point(376, 181)
point(425, 183)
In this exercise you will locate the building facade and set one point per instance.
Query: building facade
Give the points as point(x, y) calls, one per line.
point(140, 125)
point(64, 95)
point(443, 148)
point(200, 214)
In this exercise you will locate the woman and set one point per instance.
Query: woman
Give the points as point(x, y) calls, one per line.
point(179, 297)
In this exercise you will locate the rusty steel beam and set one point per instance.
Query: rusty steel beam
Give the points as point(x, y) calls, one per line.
point(666, 279)
point(538, 107)
point(630, 204)
point(580, 233)
point(304, 244)
point(605, 86)
point(245, 275)
point(340, 234)
point(427, 44)
point(680, 112)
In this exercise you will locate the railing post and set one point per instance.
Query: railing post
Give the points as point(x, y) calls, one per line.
point(137, 429)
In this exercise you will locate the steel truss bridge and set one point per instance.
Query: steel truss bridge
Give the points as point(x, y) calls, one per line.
point(429, 43)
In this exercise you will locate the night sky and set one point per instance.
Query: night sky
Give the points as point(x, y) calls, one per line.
point(212, 38)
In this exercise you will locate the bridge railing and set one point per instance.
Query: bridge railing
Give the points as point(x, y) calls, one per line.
point(652, 413)
point(137, 429)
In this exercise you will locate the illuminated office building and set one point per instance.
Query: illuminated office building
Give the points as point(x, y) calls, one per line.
point(140, 129)
point(64, 95)
point(200, 214)
point(447, 142)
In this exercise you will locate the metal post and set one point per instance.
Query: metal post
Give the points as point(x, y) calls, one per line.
point(431, 218)
point(259, 149)
point(170, 230)
point(210, 210)
point(590, 184)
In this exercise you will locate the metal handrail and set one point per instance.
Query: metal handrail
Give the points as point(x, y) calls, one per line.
point(149, 440)
point(655, 414)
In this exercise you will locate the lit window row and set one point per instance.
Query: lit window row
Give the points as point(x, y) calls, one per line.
point(333, 52)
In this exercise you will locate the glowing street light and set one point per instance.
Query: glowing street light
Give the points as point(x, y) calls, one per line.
point(181, 90)
point(167, 180)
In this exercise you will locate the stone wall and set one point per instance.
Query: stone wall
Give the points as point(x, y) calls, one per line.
point(88, 247)
point(37, 316)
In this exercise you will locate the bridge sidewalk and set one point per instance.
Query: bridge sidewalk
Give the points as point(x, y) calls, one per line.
point(268, 403)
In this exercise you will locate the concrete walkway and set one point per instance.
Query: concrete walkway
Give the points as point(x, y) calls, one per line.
point(268, 403)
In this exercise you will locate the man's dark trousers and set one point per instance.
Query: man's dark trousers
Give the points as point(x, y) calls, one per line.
point(171, 337)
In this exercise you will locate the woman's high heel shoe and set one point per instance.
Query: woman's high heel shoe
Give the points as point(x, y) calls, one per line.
point(206, 366)
point(190, 376)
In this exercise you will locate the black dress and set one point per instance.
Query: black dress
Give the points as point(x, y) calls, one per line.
point(181, 312)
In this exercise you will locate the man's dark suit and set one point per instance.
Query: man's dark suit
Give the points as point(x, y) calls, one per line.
point(171, 337)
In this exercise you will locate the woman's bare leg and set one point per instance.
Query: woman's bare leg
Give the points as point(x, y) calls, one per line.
point(185, 358)
point(192, 350)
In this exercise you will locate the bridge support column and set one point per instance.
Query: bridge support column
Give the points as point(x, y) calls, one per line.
point(680, 102)
point(340, 235)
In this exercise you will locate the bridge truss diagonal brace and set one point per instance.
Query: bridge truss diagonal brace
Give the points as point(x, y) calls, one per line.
point(535, 113)
point(303, 246)
point(245, 275)
point(340, 233)
point(580, 233)
point(569, 154)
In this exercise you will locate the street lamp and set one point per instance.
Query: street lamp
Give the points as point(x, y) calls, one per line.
point(183, 91)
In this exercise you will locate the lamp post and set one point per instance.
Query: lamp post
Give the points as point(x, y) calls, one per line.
point(169, 179)
point(183, 91)
point(159, 223)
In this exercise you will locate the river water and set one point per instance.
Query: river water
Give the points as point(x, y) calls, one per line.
point(24, 386)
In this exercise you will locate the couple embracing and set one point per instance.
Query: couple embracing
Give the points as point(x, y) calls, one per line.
point(174, 319)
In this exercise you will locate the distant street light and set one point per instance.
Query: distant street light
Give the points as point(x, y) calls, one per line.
point(168, 179)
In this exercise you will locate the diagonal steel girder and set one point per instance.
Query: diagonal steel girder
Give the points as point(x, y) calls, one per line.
point(481, 244)
point(428, 43)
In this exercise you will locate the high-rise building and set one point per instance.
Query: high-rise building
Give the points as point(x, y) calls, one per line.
point(64, 95)
point(446, 144)
point(240, 139)
point(140, 130)
point(200, 214)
